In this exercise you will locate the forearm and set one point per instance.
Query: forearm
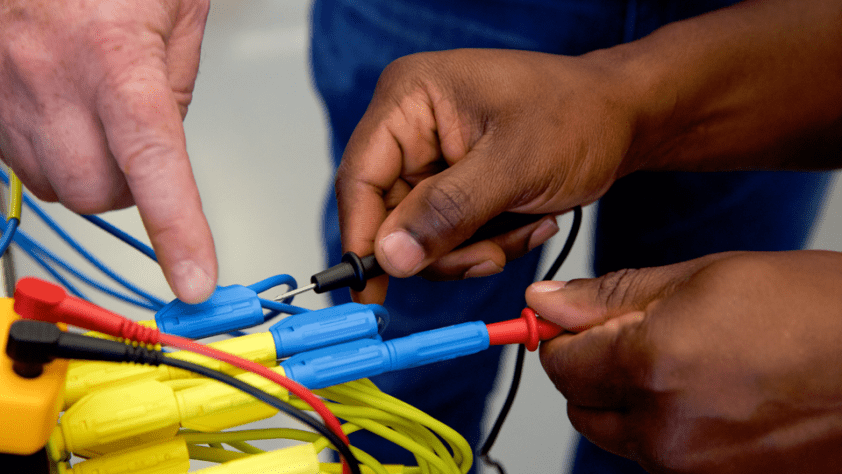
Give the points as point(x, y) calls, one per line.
point(754, 86)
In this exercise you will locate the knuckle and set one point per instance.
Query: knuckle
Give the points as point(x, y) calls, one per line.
point(448, 202)
point(142, 159)
point(614, 287)
point(86, 193)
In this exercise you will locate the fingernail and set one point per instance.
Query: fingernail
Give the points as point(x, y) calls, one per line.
point(483, 269)
point(402, 251)
point(191, 282)
point(547, 286)
point(547, 229)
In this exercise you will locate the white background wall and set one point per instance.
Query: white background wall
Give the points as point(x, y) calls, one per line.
point(257, 138)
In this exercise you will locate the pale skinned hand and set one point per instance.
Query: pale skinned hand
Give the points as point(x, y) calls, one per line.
point(92, 98)
point(731, 363)
point(454, 138)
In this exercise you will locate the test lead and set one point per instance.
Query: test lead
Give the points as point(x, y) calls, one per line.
point(353, 272)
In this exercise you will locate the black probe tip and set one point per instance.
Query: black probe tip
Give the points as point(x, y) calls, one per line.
point(352, 273)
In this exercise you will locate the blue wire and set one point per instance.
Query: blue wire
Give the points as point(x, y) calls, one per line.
point(32, 246)
point(282, 307)
point(52, 271)
point(274, 281)
point(122, 235)
point(8, 234)
point(156, 302)
point(275, 307)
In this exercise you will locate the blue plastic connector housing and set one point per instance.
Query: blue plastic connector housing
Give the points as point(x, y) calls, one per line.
point(229, 308)
point(327, 327)
point(366, 358)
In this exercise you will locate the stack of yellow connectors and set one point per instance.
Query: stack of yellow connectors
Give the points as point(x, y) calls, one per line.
point(148, 420)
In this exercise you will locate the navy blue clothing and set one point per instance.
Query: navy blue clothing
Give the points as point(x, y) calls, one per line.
point(646, 219)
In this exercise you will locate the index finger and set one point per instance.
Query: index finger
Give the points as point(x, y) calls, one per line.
point(145, 134)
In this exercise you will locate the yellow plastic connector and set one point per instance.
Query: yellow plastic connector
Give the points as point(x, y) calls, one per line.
point(29, 408)
point(162, 457)
point(136, 413)
point(300, 459)
point(86, 377)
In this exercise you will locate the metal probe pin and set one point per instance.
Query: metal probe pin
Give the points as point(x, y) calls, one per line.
point(298, 291)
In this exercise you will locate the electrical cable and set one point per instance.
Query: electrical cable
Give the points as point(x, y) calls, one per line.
point(37, 299)
point(33, 343)
point(521, 351)
point(341, 446)
point(122, 235)
point(86, 254)
point(8, 234)
point(40, 254)
point(15, 193)
point(419, 425)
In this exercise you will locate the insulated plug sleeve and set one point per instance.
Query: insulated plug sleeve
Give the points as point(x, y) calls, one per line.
point(327, 327)
point(352, 273)
point(229, 308)
point(528, 330)
point(369, 357)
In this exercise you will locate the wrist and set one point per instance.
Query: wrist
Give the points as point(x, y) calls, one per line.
point(727, 90)
point(637, 85)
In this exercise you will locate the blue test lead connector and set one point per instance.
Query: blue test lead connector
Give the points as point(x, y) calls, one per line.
point(236, 307)
point(368, 357)
point(326, 327)
point(229, 308)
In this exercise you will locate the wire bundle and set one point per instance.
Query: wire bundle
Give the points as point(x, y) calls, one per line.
point(437, 448)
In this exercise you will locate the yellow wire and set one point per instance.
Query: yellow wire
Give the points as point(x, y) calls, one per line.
point(365, 416)
point(15, 195)
point(245, 447)
point(463, 454)
point(248, 435)
point(234, 438)
point(367, 391)
point(202, 453)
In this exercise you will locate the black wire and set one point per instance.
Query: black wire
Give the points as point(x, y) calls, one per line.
point(275, 402)
point(521, 350)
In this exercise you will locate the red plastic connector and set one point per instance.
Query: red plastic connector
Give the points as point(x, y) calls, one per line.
point(44, 301)
point(528, 330)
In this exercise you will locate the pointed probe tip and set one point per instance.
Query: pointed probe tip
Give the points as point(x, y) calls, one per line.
point(295, 292)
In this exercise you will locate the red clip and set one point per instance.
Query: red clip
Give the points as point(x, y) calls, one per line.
point(45, 301)
point(528, 330)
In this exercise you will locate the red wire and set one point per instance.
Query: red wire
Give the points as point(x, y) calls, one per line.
point(38, 299)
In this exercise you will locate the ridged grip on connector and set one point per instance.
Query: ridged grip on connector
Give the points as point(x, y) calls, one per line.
point(228, 309)
point(326, 327)
point(41, 342)
point(169, 456)
point(367, 358)
point(352, 273)
point(45, 301)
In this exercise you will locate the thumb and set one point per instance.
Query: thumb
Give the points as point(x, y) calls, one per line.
point(441, 212)
point(583, 303)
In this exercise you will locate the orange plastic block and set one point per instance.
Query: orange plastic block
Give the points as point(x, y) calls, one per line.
point(29, 408)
